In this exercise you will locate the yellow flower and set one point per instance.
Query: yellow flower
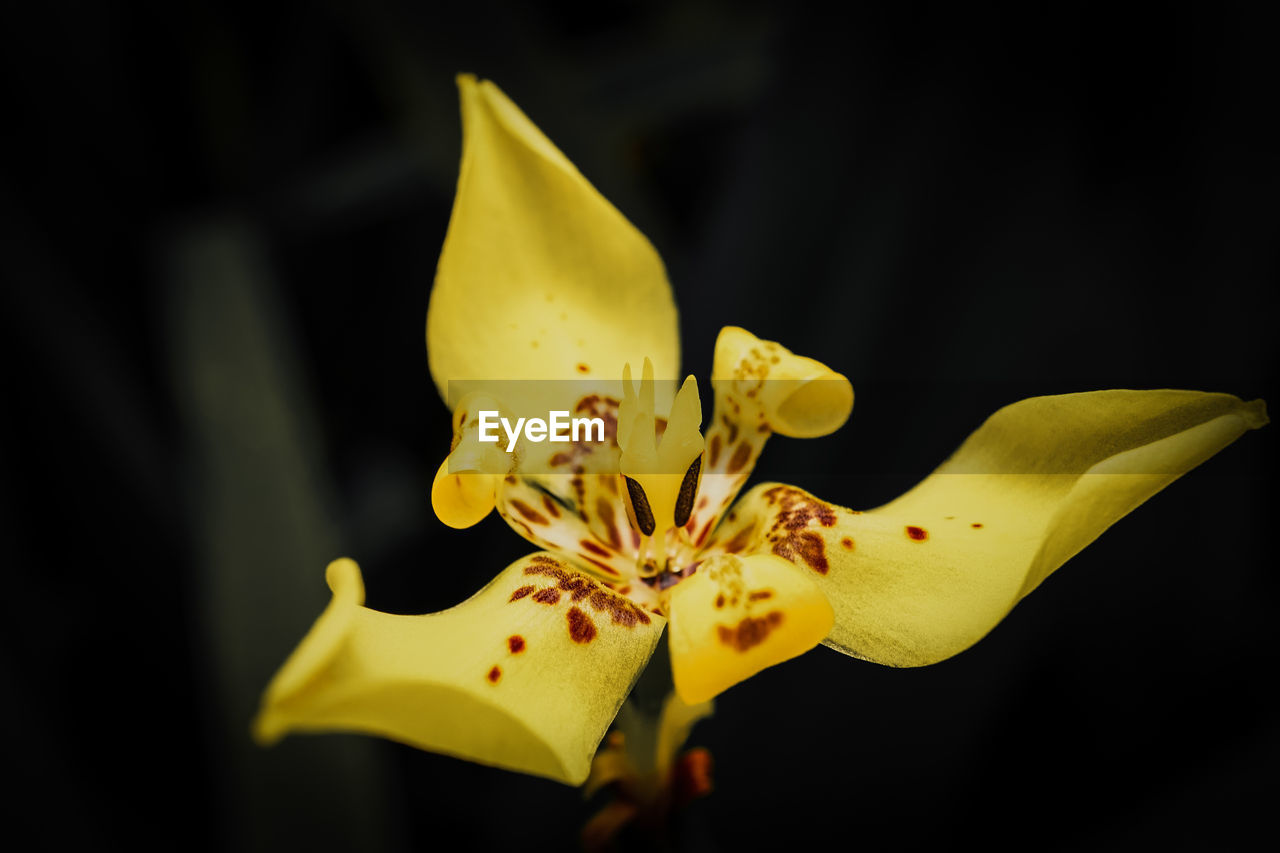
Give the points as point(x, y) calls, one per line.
point(543, 285)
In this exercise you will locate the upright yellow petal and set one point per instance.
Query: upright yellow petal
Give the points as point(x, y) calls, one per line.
point(737, 615)
point(525, 675)
point(929, 574)
point(540, 277)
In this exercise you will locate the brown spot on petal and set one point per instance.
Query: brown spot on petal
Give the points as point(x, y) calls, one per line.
point(731, 426)
point(796, 512)
point(714, 450)
point(702, 537)
point(521, 593)
point(623, 611)
point(550, 506)
point(760, 595)
point(495, 674)
point(741, 455)
point(594, 548)
point(847, 543)
point(581, 628)
point(510, 479)
point(515, 643)
point(529, 512)
point(604, 509)
point(550, 595)
point(558, 459)
point(804, 546)
point(976, 525)
point(604, 567)
point(750, 631)
point(582, 368)
point(919, 534)
point(719, 601)
point(740, 540)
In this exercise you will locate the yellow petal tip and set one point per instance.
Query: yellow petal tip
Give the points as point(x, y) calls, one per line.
point(739, 615)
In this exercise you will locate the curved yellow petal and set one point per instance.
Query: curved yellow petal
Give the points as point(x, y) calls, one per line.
point(761, 387)
point(579, 515)
point(465, 486)
point(525, 675)
point(737, 615)
point(540, 277)
point(926, 576)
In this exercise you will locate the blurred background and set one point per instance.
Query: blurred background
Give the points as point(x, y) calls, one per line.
point(221, 223)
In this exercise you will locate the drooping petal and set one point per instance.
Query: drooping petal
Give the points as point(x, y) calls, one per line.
point(737, 615)
point(525, 675)
point(761, 388)
point(540, 277)
point(926, 576)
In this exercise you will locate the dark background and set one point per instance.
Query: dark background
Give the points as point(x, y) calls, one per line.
point(220, 226)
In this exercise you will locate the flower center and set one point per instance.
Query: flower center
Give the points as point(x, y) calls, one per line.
point(660, 475)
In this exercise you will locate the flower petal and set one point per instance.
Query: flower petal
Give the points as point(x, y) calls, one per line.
point(465, 486)
point(737, 615)
point(540, 277)
point(761, 387)
point(578, 515)
point(525, 675)
point(926, 576)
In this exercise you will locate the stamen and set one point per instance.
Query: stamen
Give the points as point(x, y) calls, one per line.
point(688, 491)
point(640, 506)
point(661, 476)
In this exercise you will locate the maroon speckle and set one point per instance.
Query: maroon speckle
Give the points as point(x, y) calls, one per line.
point(714, 450)
point(582, 368)
point(529, 512)
point(550, 506)
point(760, 595)
point(516, 643)
point(740, 540)
point(581, 628)
point(731, 426)
point(796, 512)
point(702, 537)
point(604, 567)
point(623, 611)
point(749, 632)
point(847, 543)
point(550, 595)
point(521, 593)
point(594, 548)
point(720, 601)
point(604, 509)
point(919, 534)
point(976, 525)
point(741, 455)
point(495, 674)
